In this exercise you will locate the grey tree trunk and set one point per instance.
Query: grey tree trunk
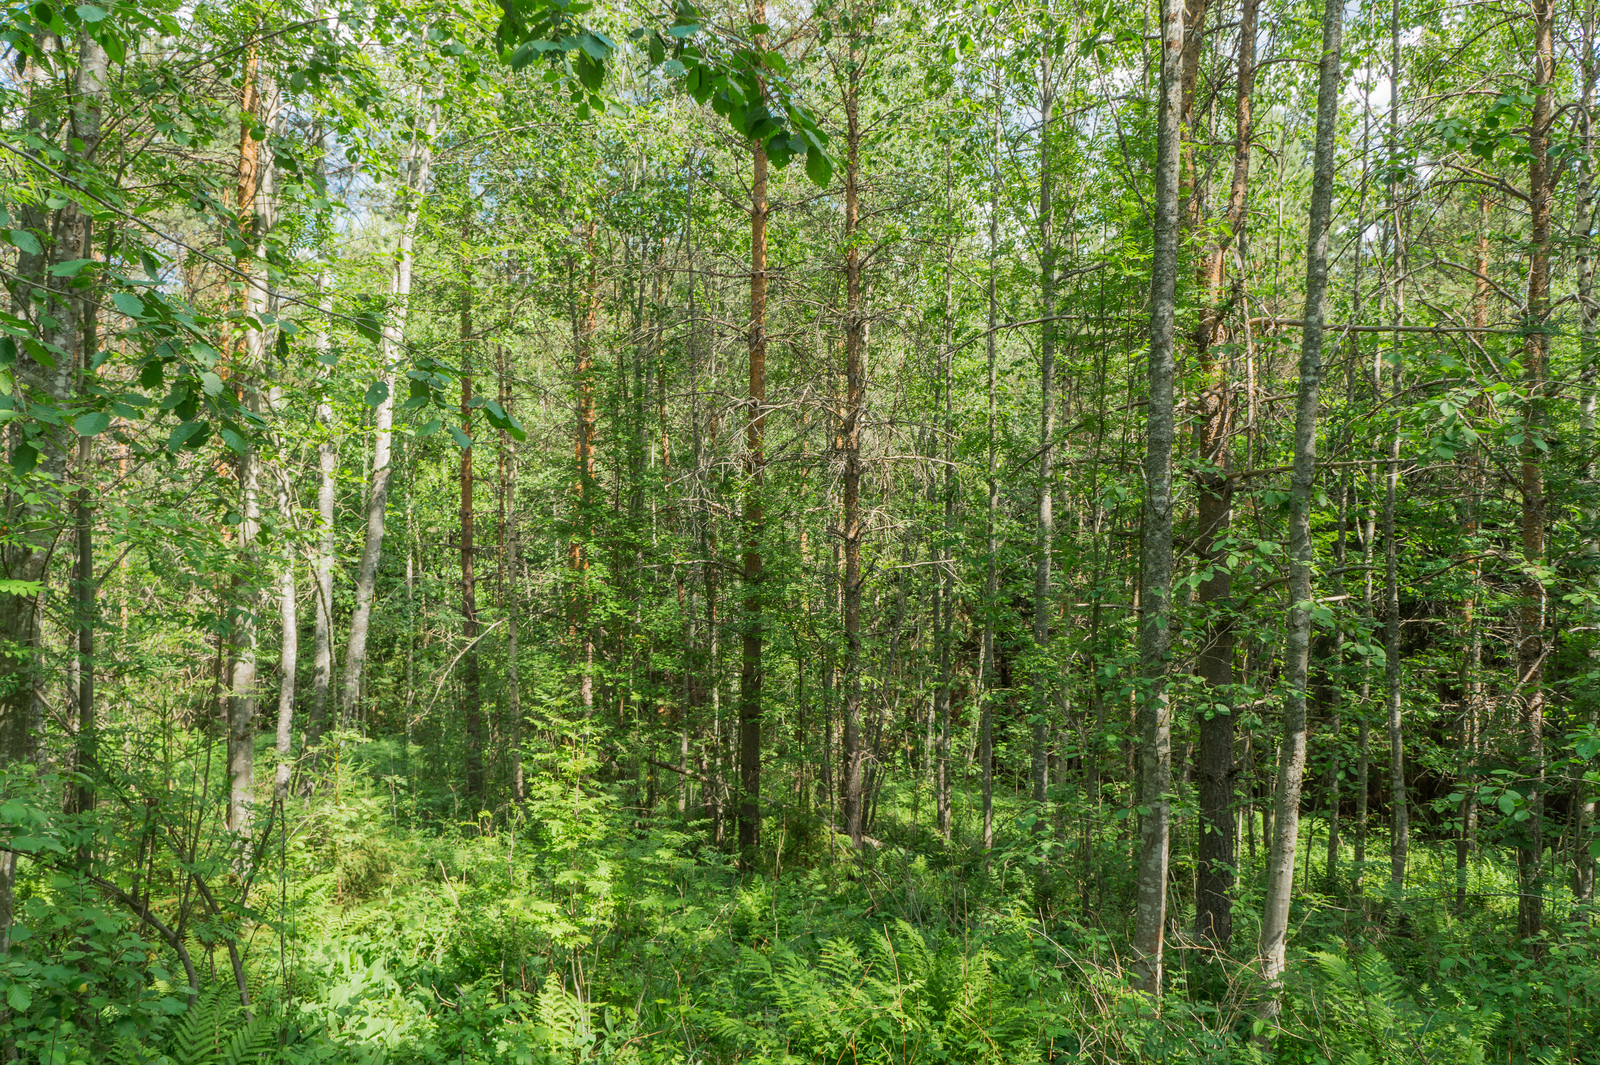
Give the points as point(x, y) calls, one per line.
point(510, 570)
point(991, 583)
point(1583, 818)
point(1043, 675)
point(1155, 576)
point(944, 581)
point(243, 690)
point(1297, 653)
point(288, 650)
point(63, 234)
point(288, 601)
point(389, 347)
point(1399, 809)
point(322, 666)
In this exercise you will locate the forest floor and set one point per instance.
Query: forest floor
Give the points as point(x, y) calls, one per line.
point(385, 927)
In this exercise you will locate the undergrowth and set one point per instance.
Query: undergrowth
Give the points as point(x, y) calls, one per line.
point(386, 929)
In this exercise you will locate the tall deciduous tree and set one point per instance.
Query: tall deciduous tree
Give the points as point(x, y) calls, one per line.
point(1213, 431)
point(751, 667)
point(1155, 573)
point(1297, 652)
point(417, 165)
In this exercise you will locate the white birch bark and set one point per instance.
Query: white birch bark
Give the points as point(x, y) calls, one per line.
point(390, 347)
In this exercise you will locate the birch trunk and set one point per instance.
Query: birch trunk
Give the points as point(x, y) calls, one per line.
point(471, 706)
point(1399, 808)
point(991, 584)
point(390, 349)
point(1045, 533)
point(322, 565)
point(243, 691)
point(1297, 653)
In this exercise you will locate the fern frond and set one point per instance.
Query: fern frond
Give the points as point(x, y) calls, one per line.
point(251, 1041)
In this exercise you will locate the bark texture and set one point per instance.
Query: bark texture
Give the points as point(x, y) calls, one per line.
point(1155, 577)
point(1297, 653)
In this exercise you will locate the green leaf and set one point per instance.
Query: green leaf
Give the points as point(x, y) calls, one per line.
point(591, 72)
point(182, 433)
point(22, 240)
point(13, 587)
point(129, 304)
point(90, 13)
point(235, 441)
point(211, 382)
point(34, 844)
point(463, 441)
point(17, 996)
point(377, 392)
point(24, 458)
point(819, 168)
point(70, 268)
point(92, 424)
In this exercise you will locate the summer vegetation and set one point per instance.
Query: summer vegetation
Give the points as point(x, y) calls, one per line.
point(843, 531)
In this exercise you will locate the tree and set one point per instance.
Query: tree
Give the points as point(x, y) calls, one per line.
point(1155, 574)
point(1297, 654)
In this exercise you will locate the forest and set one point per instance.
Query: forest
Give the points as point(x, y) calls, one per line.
point(799, 531)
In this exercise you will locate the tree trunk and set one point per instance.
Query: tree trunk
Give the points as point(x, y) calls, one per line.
point(1531, 649)
point(1043, 675)
point(243, 692)
point(585, 325)
point(991, 584)
point(1583, 818)
point(390, 348)
point(855, 394)
point(1334, 679)
point(944, 624)
point(64, 234)
point(289, 641)
point(322, 565)
point(510, 570)
point(1218, 843)
point(471, 701)
point(1399, 809)
point(1155, 575)
point(86, 741)
point(750, 663)
point(1297, 653)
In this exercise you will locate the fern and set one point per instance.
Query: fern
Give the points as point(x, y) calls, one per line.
point(1363, 1011)
point(214, 1031)
point(252, 1041)
point(197, 1037)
